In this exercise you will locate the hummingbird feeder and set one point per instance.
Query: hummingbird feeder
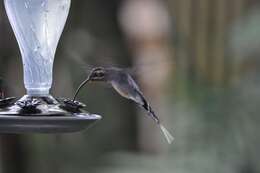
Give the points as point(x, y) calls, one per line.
point(38, 25)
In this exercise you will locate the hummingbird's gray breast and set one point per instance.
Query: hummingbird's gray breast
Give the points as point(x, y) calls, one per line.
point(126, 87)
point(121, 89)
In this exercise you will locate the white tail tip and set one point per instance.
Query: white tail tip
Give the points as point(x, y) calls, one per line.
point(167, 134)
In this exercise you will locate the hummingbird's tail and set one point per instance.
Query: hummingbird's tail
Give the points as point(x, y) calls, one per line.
point(150, 111)
point(166, 133)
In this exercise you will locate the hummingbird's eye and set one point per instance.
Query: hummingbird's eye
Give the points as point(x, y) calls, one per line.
point(99, 74)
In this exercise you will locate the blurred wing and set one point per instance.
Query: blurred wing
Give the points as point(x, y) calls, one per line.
point(133, 83)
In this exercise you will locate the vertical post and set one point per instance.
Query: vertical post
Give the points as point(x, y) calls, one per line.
point(239, 9)
point(219, 41)
point(151, 50)
point(183, 25)
point(201, 52)
point(13, 157)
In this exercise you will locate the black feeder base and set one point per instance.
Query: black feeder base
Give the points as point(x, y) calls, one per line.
point(43, 115)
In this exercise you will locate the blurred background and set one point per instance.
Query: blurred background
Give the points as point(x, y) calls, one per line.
point(197, 62)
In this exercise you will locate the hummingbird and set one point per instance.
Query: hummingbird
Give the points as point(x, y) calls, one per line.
point(125, 85)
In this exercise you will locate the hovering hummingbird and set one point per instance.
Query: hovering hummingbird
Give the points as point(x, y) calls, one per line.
point(125, 85)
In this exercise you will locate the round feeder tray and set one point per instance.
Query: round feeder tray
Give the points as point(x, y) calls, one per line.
point(43, 115)
point(47, 124)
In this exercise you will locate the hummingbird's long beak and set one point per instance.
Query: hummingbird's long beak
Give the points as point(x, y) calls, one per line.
point(81, 85)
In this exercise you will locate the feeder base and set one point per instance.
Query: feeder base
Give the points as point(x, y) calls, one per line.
point(43, 115)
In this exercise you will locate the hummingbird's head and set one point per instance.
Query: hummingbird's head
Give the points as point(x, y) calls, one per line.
point(97, 74)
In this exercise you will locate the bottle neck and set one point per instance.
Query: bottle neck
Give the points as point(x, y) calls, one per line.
point(38, 92)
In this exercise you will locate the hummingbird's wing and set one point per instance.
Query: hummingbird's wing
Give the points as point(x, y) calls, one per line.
point(127, 87)
point(131, 81)
point(139, 96)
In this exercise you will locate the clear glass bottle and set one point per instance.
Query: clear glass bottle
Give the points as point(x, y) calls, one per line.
point(37, 25)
